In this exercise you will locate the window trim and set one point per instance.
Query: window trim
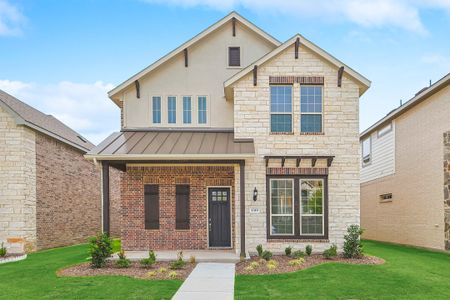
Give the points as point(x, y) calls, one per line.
point(169, 111)
point(284, 113)
point(160, 111)
point(311, 113)
point(364, 164)
point(282, 215)
point(311, 215)
point(190, 110)
point(297, 234)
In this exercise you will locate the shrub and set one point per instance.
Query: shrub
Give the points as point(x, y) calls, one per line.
point(266, 255)
point(296, 262)
point(100, 248)
point(259, 249)
point(192, 259)
point(288, 251)
point(151, 274)
point(249, 268)
point(172, 275)
point(330, 252)
point(179, 263)
point(254, 264)
point(308, 250)
point(3, 251)
point(162, 270)
point(352, 242)
point(298, 254)
point(123, 263)
point(272, 265)
point(149, 261)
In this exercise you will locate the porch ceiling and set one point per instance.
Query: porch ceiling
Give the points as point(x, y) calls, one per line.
point(172, 144)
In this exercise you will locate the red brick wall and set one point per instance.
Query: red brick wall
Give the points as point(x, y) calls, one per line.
point(68, 193)
point(136, 237)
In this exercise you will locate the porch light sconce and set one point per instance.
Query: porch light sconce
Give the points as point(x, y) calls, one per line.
point(255, 194)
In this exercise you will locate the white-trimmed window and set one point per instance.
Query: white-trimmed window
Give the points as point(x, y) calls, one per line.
point(311, 207)
point(282, 206)
point(366, 151)
point(172, 109)
point(187, 110)
point(281, 108)
point(156, 109)
point(385, 130)
point(311, 108)
point(202, 110)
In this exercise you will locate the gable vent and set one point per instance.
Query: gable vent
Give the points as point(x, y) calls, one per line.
point(234, 57)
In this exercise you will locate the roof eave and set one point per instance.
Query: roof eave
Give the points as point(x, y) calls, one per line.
point(174, 157)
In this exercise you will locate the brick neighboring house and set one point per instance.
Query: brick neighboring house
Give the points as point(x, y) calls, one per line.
point(405, 174)
point(235, 139)
point(49, 193)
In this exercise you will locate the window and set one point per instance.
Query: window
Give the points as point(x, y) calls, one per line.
point(182, 207)
point(311, 109)
point(281, 108)
point(281, 206)
point(311, 207)
point(172, 110)
point(202, 110)
point(234, 56)
point(187, 110)
point(156, 105)
point(366, 151)
point(385, 130)
point(151, 206)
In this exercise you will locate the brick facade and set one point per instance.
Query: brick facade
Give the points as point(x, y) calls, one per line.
point(447, 189)
point(136, 237)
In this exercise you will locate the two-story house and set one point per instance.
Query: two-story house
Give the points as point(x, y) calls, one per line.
point(235, 139)
point(405, 174)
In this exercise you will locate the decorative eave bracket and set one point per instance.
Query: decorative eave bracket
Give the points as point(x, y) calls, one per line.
point(299, 158)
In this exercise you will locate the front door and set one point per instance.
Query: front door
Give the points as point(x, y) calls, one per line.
point(219, 217)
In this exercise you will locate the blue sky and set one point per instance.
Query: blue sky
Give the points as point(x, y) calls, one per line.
point(63, 56)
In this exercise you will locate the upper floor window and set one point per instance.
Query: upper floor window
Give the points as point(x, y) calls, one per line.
point(281, 108)
point(366, 151)
point(172, 110)
point(384, 130)
point(234, 56)
point(187, 110)
point(311, 109)
point(156, 105)
point(202, 110)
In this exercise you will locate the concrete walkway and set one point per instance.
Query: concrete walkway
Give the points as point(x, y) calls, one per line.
point(209, 281)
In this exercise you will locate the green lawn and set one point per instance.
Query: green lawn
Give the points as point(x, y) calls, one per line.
point(408, 273)
point(35, 278)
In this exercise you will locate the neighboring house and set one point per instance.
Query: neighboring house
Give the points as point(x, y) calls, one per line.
point(235, 139)
point(49, 194)
point(405, 172)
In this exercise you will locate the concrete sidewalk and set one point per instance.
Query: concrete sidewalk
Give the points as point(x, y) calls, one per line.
point(208, 281)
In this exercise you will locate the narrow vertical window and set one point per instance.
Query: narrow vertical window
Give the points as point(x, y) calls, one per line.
point(156, 108)
point(311, 109)
point(366, 151)
point(282, 206)
point(182, 207)
point(187, 111)
point(281, 108)
point(202, 110)
point(151, 206)
point(311, 207)
point(172, 110)
point(234, 56)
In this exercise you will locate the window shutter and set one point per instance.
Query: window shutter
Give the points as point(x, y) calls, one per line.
point(234, 57)
point(151, 206)
point(182, 207)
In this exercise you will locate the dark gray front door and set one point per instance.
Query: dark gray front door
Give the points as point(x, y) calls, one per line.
point(219, 217)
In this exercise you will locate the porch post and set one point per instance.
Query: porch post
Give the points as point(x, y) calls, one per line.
point(105, 196)
point(242, 204)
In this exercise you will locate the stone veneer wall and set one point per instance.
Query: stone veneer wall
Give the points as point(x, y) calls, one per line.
point(340, 138)
point(69, 195)
point(17, 185)
point(135, 237)
point(447, 188)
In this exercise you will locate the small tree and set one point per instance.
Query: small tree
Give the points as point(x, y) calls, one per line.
point(3, 251)
point(100, 248)
point(352, 242)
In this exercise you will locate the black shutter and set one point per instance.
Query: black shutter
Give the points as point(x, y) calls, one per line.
point(151, 198)
point(182, 207)
point(234, 57)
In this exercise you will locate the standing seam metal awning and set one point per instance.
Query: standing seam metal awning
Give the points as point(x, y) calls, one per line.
point(172, 144)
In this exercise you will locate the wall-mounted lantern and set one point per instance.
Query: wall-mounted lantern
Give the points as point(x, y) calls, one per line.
point(255, 194)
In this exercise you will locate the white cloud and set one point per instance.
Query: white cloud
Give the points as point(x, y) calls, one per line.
point(404, 14)
point(84, 107)
point(437, 60)
point(11, 19)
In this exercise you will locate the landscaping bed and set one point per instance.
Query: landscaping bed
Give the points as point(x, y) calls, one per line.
point(258, 266)
point(159, 271)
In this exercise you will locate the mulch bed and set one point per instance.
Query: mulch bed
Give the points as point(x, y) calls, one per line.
point(135, 270)
point(313, 260)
